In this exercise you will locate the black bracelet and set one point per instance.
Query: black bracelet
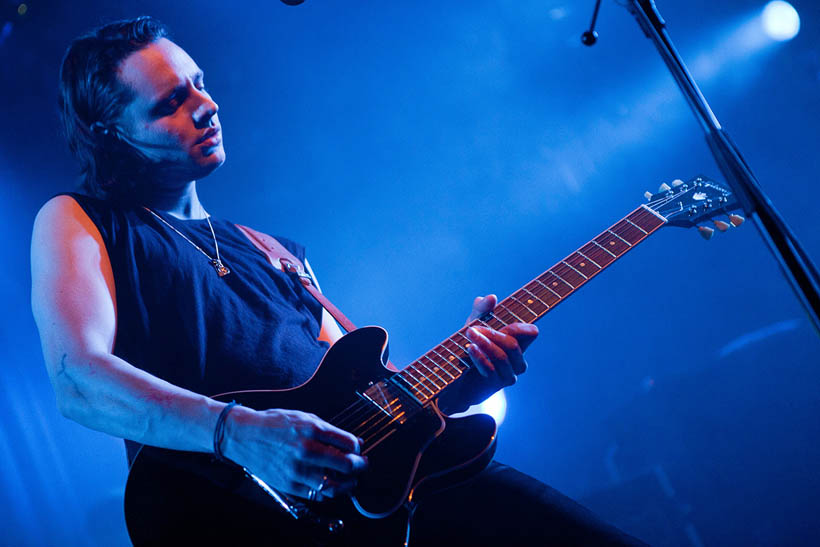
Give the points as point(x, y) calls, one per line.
point(219, 431)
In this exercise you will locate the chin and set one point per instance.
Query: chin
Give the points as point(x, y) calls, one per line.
point(210, 163)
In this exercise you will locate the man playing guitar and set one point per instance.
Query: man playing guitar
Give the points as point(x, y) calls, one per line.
point(145, 306)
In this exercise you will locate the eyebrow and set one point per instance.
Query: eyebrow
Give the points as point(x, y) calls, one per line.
point(198, 75)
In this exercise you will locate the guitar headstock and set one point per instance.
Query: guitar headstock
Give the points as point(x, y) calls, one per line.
point(687, 204)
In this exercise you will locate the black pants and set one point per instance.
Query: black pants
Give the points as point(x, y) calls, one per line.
point(499, 506)
point(502, 506)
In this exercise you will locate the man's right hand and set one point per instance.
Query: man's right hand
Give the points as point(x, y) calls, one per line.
point(293, 452)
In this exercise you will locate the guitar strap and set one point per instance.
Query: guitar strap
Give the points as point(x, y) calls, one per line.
point(282, 259)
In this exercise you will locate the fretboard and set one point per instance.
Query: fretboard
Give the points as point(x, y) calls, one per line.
point(428, 375)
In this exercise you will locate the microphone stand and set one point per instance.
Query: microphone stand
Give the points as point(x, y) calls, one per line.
point(795, 264)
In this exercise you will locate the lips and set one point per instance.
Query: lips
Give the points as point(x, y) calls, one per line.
point(212, 131)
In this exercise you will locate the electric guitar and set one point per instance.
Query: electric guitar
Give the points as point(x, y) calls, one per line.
point(412, 447)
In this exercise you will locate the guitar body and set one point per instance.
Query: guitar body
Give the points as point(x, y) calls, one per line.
point(173, 496)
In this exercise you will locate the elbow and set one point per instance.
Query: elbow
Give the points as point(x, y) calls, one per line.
point(67, 404)
point(70, 400)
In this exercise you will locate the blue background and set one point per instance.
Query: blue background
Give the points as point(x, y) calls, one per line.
point(426, 153)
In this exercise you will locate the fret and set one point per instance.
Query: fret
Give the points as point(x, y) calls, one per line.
point(523, 307)
point(441, 366)
point(585, 257)
point(604, 248)
point(463, 345)
point(455, 358)
point(613, 242)
point(508, 310)
point(582, 265)
point(562, 283)
point(452, 361)
point(537, 300)
point(652, 220)
point(409, 388)
point(575, 270)
point(422, 379)
point(600, 257)
point(415, 384)
point(528, 305)
point(566, 274)
point(490, 319)
point(557, 296)
point(628, 232)
point(443, 381)
point(636, 226)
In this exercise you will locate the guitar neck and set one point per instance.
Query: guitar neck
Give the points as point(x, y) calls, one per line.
point(428, 375)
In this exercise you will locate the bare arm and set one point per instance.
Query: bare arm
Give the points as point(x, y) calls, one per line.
point(74, 305)
point(73, 301)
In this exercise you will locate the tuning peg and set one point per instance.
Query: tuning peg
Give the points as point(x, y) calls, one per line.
point(647, 194)
point(736, 220)
point(720, 225)
point(676, 183)
point(706, 232)
point(664, 187)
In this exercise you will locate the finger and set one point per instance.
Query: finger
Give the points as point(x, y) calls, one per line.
point(332, 435)
point(525, 333)
point(511, 347)
point(481, 361)
point(478, 336)
point(319, 454)
point(482, 305)
point(324, 486)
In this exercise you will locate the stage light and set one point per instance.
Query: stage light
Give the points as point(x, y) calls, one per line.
point(780, 21)
point(495, 406)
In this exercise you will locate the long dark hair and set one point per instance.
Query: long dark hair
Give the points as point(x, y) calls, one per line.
point(92, 99)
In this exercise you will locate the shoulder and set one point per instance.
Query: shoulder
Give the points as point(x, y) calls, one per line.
point(297, 249)
point(292, 247)
point(60, 223)
point(59, 212)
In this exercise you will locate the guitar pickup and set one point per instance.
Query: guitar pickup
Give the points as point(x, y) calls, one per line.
point(390, 400)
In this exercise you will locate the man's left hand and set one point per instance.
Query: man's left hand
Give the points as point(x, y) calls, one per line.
point(497, 355)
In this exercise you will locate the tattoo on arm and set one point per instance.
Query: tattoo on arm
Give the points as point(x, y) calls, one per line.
point(62, 372)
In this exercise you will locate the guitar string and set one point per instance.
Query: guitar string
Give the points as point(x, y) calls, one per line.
point(506, 306)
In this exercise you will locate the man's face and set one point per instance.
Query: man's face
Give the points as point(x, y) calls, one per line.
point(171, 113)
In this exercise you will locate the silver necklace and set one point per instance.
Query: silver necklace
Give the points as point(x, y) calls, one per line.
point(220, 268)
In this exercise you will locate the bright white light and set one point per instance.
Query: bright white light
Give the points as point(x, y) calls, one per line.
point(495, 406)
point(780, 21)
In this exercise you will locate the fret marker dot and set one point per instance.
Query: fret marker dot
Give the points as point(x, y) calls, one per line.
point(529, 301)
point(612, 243)
point(451, 358)
point(583, 264)
point(554, 283)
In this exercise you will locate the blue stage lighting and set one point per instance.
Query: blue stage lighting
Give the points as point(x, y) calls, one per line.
point(781, 21)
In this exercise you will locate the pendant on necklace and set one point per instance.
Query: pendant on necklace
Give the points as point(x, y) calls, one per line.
point(220, 268)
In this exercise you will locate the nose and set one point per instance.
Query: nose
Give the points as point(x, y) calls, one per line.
point(205, 111)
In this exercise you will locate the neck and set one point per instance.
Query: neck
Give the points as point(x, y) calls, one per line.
point(182, 203)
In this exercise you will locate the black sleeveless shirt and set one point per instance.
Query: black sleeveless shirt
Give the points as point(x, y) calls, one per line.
point(255, 328)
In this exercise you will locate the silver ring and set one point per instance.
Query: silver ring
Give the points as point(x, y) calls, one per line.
point(311, 496)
